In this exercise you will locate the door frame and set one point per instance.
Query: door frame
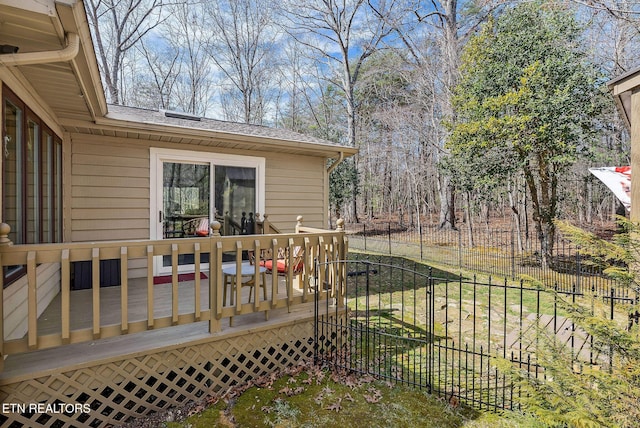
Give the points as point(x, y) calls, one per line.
point(159, 155)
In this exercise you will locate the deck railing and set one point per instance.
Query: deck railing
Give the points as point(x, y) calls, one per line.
point(316, 244)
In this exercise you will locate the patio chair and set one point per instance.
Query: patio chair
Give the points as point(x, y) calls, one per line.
point(196, 227)
point(282, 263)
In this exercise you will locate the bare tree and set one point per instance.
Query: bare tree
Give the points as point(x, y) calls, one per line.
point(160, 75)
point(243, 45)
point(436, 32)
point(341, 35)
point(187, 34)
point(117, 27)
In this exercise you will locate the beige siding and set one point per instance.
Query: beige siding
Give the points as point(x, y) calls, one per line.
point(295, 186)
point(110, 188)
point(15, 299)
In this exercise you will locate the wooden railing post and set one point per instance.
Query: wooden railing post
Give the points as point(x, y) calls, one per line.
point(5, 229)
point(5, 243)
point(259, 225)
point(299, 220)
point(265, 224)
point(215, 279)
point(341, 254)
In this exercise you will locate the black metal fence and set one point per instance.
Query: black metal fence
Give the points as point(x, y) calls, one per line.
point(493, 251)
point(411, 324)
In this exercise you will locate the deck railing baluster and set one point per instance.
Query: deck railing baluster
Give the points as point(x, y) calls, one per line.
point(174, 284)
point(215, 289)
point(150, 287)
point(197, 286)
point(124, 289)
point(65, 277)
point(32, 287)
point(95, 285)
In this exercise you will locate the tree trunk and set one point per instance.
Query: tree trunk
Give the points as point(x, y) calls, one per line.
point(513, 203)
point(447, 218)
point(469, 222)
point(544, 200)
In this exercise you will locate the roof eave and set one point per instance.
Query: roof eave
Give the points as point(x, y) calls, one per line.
point(73, 17)
point(328, 150)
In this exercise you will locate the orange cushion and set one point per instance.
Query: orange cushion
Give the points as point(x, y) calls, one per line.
point(280, 265)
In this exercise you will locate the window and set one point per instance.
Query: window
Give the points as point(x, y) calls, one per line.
point(188, 185)
point(31, 178)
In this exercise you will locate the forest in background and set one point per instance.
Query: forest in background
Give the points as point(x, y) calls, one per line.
point(380, 75)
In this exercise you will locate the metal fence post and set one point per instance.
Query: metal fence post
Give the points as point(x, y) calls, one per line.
point(420, 232)
point(513, 255)
point(389, 233)
point(459, 248)
point(364, 234)
point(613, 295)
point(578, 272)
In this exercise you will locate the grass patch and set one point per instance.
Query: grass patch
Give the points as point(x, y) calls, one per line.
point(307, 396)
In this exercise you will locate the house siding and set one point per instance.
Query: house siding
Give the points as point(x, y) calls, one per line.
point(16, 295)
point(110, 185)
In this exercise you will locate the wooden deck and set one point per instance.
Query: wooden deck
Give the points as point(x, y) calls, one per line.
point(81, 317)
point(81, 314)
point(48, 361)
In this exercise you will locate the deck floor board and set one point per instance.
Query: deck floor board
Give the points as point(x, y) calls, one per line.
point(86, 353)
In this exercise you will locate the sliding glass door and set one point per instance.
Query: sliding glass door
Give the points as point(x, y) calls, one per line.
point(191, 189)
point(186, 194)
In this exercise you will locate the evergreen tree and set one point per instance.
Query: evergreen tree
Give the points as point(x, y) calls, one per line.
point(525, 104)
point(606, 391)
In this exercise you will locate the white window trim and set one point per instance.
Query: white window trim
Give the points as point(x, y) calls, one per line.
point(158, 155)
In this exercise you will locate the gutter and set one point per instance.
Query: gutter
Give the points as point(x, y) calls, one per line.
point(29, 58)
point(336, 163)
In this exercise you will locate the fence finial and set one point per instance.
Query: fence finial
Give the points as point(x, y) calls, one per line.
point(5, 229)
point(215, 225)
point(300, 219)
point(340, 225)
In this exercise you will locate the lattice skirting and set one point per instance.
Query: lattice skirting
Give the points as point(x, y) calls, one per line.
point(135, 386)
